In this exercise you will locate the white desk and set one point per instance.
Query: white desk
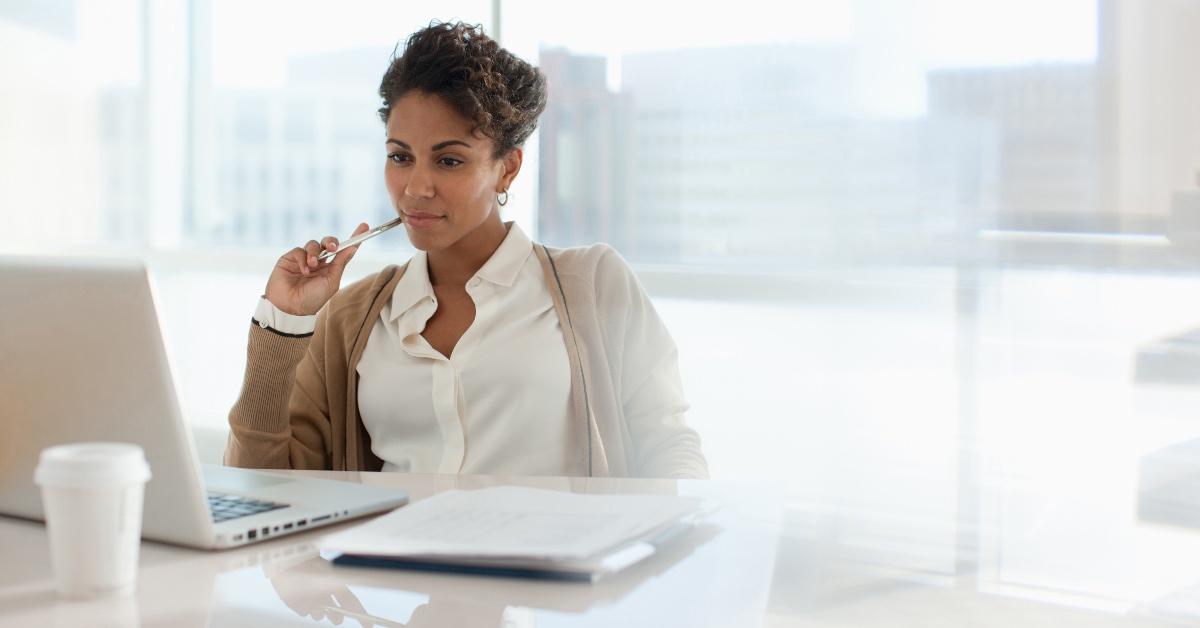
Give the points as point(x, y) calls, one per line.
point(763, 560)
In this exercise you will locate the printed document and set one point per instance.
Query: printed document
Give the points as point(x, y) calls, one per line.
point(514, 522)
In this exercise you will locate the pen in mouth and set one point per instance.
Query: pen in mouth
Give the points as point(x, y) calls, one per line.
point(360, 238)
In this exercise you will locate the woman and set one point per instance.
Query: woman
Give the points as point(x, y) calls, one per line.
point(485, 353)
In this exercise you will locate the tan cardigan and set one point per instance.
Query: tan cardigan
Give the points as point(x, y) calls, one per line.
point(298, 407)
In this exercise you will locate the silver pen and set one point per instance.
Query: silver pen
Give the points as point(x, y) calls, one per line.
point(360, 238)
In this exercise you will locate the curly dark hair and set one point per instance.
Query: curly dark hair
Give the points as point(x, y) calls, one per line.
point(501, 93)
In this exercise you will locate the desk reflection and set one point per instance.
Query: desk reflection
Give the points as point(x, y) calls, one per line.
point(339, 604)
point(312, 588)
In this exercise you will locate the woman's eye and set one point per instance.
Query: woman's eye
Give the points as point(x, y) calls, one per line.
point(397, 158)
point(449, 162)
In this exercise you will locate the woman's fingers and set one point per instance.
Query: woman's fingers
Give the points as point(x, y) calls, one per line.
point(307, 259)
point(313, 248)
point(299, 257)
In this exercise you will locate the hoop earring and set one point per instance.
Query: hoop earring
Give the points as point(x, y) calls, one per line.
point(502, 198)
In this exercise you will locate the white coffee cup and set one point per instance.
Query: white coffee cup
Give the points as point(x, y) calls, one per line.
point(92, 497)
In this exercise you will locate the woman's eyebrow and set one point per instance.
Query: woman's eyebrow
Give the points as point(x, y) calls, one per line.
point(441, 145)
point(438, 146)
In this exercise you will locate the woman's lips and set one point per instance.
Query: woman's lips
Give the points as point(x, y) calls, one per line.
point(420, 220)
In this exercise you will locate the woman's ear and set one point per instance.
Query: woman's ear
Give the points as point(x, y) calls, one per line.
point(512, 165)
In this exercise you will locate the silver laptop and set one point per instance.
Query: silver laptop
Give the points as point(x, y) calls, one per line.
point(82, 359)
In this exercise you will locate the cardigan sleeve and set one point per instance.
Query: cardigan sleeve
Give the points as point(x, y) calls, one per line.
point(281, 418)
point(646, 363)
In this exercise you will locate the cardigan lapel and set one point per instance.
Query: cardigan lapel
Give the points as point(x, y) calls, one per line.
point(359, 456)
point(586, 431)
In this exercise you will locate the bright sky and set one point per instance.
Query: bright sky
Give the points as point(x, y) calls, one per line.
point(898, 40)
point(108, 44)
point(252, 40)
point(933, 33)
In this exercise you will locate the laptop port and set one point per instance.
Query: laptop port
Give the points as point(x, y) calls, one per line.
point(287, 526)
point(321, 518)
point(266, 531)
point(301, 523)
point(253, 534)
point(237, 537)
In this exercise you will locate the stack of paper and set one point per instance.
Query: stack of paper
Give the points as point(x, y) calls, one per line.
point(518, 531)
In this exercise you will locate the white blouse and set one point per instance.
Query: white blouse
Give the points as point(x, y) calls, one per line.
point(500, 404)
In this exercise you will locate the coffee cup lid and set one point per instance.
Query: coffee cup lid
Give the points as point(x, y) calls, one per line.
point(91, 464)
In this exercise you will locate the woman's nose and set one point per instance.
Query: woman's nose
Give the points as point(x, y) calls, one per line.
point(420, 185)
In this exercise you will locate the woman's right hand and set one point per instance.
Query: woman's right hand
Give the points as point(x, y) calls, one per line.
point(300, 283)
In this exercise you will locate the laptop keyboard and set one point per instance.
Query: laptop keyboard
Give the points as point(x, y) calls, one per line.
point(226, 507)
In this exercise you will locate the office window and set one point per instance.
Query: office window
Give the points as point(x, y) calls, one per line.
point(848, 133)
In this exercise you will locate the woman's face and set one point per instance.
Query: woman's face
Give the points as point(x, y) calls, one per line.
point(442, 179)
